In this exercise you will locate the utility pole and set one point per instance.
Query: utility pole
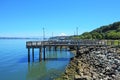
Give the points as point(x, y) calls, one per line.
point(77, 31)
point(74, 33)
point(52, 34)
point(43, 33)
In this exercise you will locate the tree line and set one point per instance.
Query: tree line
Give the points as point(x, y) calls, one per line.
point(111, 31)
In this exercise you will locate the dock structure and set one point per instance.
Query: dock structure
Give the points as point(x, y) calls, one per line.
point(42, 45)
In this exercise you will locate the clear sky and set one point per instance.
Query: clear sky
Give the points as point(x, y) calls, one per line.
point(26, 18)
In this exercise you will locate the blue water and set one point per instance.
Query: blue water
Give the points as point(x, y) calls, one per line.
point(14, 62)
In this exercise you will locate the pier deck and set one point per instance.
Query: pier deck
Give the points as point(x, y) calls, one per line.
point(42, 45)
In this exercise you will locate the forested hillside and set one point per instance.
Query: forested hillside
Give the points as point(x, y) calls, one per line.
point(111, 31)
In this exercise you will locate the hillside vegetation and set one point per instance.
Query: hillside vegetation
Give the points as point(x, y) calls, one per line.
point(111, 31)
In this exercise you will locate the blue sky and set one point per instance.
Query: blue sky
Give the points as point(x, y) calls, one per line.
point(26, 18)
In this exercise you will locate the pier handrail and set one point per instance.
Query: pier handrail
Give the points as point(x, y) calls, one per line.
point(67, 42)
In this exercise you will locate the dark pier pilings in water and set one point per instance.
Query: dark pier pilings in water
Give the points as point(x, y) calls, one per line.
point(28, 54)
point(33, 54)
point(41, 49)
point(42, 52)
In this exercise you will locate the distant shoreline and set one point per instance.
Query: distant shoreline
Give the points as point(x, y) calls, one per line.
point(17, 38)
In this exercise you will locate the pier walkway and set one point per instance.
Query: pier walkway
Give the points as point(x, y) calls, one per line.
point(42, 45)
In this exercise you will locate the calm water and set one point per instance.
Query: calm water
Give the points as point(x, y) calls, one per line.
point(14, 62)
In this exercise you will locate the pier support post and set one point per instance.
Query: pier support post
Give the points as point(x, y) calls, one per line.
point(33, 54)
point(60, 48)
point(28, 54)
point(77, 50)
point(55, 48)
point(40, 54)
point(49, 48)
point(44, 52)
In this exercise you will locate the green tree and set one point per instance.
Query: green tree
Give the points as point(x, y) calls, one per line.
point(111, 35)
point(96, 35)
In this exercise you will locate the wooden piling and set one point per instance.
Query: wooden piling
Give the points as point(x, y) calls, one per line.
point(55, 48)
point(60, 48)
point(28, 54)
point(44, 52)
point(40, 54)
point(49, 48)
point(33, 54)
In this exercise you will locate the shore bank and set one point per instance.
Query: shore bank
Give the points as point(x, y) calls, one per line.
point(94, 64)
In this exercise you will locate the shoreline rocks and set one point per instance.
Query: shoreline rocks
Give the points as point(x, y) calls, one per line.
point(93, 64)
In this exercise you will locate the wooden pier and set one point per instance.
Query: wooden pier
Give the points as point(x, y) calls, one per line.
point(42, 45)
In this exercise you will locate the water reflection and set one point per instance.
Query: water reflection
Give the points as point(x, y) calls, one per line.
point(36, 70)
point(54, 64)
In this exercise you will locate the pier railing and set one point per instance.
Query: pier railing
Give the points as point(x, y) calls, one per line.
point(66, 42)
